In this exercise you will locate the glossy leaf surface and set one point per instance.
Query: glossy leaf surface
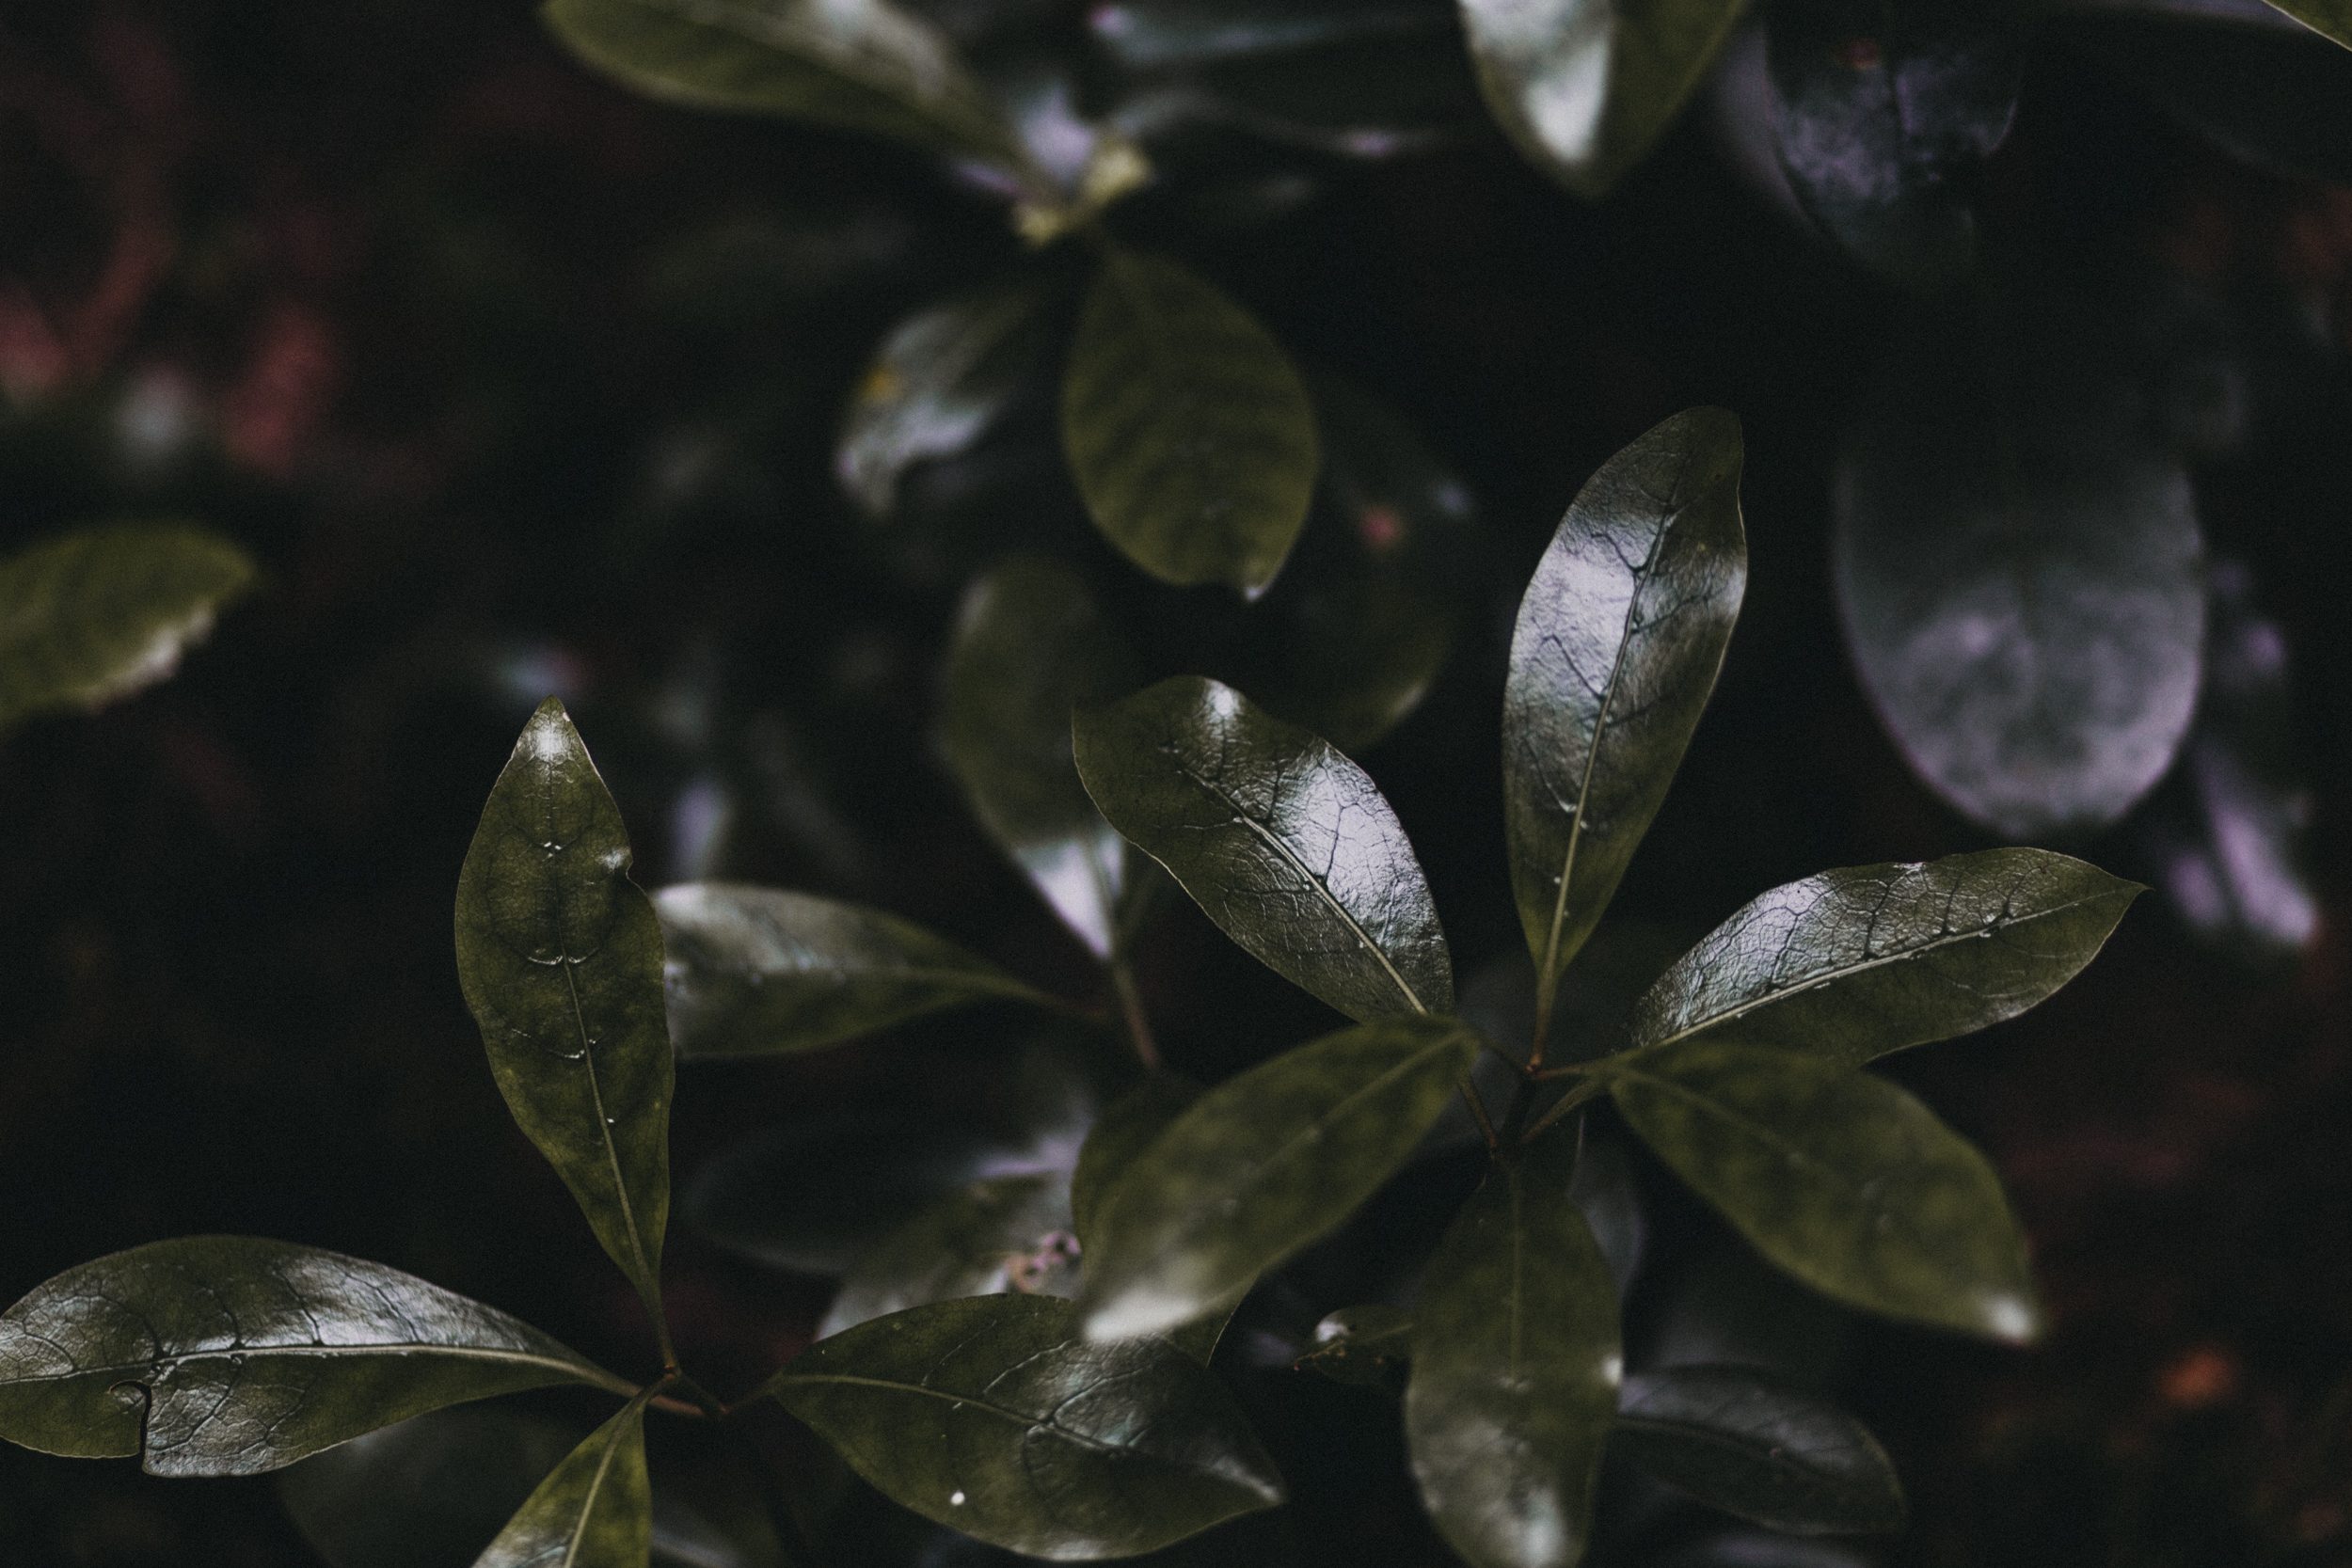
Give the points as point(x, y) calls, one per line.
point(936, 383)
point(1744, 1441)
point(1190, 436)
point(228, 1356)
point(594, 1509)
point(104, 610)
point(1620, 636)
point(1004, 1233)
point(1367, 1346)
point(1841, 1179)
point(2019, 578)
point(990, 1415)
point(1127, 1127)
point(560, 957)
point(858, 65)
point(1884, 114)
point(2330, 17)
point(1260, 1165)
point(760, 971)
point(1853, 963)
point(1030, 647)
point(1515, 1366)
point(1583, 88)
point(1282, 841)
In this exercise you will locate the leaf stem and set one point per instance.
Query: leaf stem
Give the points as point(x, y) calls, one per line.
point(1131, 1008)
point(1590, 1089)
point(1478, 1110)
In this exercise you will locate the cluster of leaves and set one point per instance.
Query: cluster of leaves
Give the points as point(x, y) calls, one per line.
point(1026, 1361)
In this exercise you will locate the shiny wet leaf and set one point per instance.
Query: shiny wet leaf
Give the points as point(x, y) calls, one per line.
point(106, 609)
point(228, 1356)
point(1749, 1443)
point(1190, 436)
point(1842, 1179)
point(1260, 1165)
point(1282, 841)
point(1029, 647)
point(1515, 1365)
point(560, 957)
point(1620, 636)
point(758, 971)
point(1003, 1233)
point(989, 1415)
point(594, 1509)
point(1854, 963)
point(1584, 87)
point(2020, 578)
point(937, 382)
point(857, 64)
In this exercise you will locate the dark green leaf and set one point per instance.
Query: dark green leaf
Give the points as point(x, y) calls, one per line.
point(1030, 646)
point(228, 1356)
point(1619, 638)
point(1840, 1178)
point(1127, 1127)
point(1260, 1165)
point(1286, 844)
point(758, 970)
point(1752, 1445)
point(1516, 1364)
point(594, 1509)
point(2330, 17)
point(860, 65)
point(1368, 1346)
point(1851, 964)
point(1004, 1233)
point(105, 611)
point(1583, 88)
point(560, 957)
point(1883, 113)
point(433, 1492)
point(2018, 566)
point(936, 383)
point(1189, 433)
point(990, 1415)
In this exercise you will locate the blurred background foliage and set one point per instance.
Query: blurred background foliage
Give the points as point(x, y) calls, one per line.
point(511, 384)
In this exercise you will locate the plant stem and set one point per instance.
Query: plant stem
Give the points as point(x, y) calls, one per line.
point(1131, 1008)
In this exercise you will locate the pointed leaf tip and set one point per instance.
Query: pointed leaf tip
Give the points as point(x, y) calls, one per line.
point(561, 960)
point(1619, 638)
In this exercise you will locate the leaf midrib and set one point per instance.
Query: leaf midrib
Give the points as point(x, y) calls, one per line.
point(1844, 971)
point(1313, 881)
point(581, 1370)
point(1002, 1413)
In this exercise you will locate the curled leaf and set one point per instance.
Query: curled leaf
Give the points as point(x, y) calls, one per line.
point(756, 971)
point(1030, 646)
point(990, 1415)
point(1750, 1444)
point(1583, 88)
point(228, 1356)
point(108, 610)
point(1280, 840)
point(1189, 433)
